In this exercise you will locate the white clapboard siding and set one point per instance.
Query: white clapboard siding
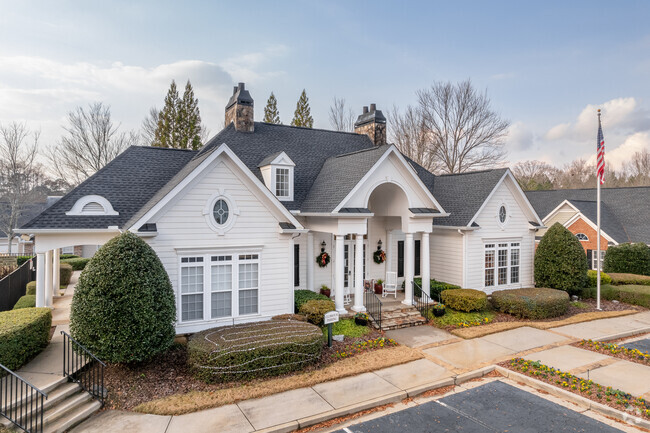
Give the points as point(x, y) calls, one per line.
point(447, 256)
point(517, 229)
point(184, 226)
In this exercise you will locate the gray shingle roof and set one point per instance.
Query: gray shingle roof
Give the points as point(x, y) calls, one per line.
point(463, 194)
point(127, 182)
point(625, 211)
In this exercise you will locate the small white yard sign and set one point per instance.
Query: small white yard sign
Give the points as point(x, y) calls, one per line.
point(331, 317)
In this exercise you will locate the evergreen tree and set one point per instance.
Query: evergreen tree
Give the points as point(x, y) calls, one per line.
point(271, 113)
point(302, 115)
point(179, 122)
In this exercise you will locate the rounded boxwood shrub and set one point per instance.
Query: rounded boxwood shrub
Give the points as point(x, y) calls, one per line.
point(65, 274)
point(627, 279)
point(27, 301)
point(560, 261)
point(123, 308)
point(592, 278)
point(68, 256)
point(30, 288)
point(302, 296)
point(464, 299)
point(607, 291)
point(78, 264)
point(253, 350)
point(435, 287)
point(628, 259)
point(23, 334)
point(315, 310)
point(531, 303)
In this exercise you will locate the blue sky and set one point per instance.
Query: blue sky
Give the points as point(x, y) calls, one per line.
point(546, 66)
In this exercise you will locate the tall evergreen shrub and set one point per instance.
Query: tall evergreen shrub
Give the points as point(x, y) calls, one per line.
point(628, 259)
point(560, 261)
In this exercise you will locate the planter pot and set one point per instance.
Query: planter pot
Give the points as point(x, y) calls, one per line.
point(438, 312)
point(378, 289)
point(360, 322)
point(325, 292)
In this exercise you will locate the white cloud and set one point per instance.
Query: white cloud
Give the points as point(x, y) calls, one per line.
point(520, 137)
point(618, 156)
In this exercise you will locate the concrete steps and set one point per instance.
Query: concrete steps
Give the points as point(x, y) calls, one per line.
point(399, 316)
point(66, 406)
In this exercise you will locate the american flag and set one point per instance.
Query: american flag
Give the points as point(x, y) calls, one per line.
point(600, 156)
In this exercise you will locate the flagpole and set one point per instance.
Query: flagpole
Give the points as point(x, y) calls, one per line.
point(598, 238)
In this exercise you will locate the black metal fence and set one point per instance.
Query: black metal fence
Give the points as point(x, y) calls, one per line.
point(421, 302)
point(21, 402)
point(373, 305)
point(12, 287)
point(81, 366)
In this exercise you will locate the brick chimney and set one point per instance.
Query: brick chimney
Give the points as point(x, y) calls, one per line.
point(372, 123)
point(240, 109)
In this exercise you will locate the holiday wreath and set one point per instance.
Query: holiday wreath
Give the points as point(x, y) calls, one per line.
point(379, 256)
point(323, 259)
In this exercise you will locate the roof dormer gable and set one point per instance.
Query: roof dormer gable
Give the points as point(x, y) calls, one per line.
point(277, 172)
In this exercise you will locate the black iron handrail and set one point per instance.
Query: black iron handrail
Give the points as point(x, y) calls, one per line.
point(373, 305)
point(422, 302)
point(83, 367)
point(21, 402)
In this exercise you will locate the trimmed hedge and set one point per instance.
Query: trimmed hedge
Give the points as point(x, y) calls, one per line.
point(20, 260)
point(290, 317)
point(253, 350)
point(635, 295)
point(78, 264)
point(124, 308)
point(592, 277)
point(302, 296)
point(531, 303)
point(607, 291)
point(435, 287)
point(629, 279)
point(464, 299)
point(27, 301)
point(315, 310)
point(68, 256)
point(560, 261)
point(65, 274)
point(30, 288)
point(23, 334)
point(628, 259)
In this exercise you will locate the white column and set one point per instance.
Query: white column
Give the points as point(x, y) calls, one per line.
point(311, 258)
point(292, 281)
point(409, 266)
point(48, 278)
point(389, 252)
point(358, 275)
point(56, 274)
point(425, 263)
point(339, 262)
point(40, 280)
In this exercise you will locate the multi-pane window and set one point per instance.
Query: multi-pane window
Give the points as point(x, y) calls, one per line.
point(192, 288)
point(594, 261)
point(282, 183)
point(218, 286)
point(582, 237)
point(220, 211)
point(502, 264)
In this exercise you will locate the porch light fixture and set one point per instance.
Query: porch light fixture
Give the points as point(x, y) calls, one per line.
point(379, 245)
point(322, 246)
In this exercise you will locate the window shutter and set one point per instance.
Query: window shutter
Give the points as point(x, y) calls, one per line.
point(400, 258)
point(416, 271)
point(296, 265)
point(589, 259)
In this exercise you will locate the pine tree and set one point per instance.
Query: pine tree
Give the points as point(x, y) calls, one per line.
point(302, 115)
point(271, 113)
point(179, 122)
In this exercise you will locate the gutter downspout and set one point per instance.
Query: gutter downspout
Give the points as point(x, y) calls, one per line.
point(464, 285)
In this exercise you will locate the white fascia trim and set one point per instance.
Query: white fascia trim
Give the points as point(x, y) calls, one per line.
point(429, 215)
point(146, 234)
point(294, 231)
point(590, 224)
point(337, 214)
point(464, 228)
point(557, 208)
point(77, 208)
point(222, 149)
point(508, 173)
point(391, 149)
point(59, 231)
point(283, 159)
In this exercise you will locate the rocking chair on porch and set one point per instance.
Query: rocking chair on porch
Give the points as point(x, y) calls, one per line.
point(390, 285)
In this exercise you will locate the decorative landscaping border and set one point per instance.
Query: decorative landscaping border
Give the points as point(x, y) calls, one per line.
point(633, 355)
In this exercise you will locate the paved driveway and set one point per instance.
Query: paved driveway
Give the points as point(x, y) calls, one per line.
point(493, 407)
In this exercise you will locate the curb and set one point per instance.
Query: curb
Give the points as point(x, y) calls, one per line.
point(574, 398)
point(623, 334)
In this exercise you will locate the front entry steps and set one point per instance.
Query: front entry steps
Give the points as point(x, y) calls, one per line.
point(66, 406)
point(395, 315)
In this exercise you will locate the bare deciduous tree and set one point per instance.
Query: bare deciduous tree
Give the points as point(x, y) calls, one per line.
point(91, 142)
point(341, 117)
point(535, 175)
point(408, 133)
point(637, 169)
point(465, 133)
point(149, 126)
point(19, 174)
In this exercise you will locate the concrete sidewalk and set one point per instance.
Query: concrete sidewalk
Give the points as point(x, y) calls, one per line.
point(448, 360)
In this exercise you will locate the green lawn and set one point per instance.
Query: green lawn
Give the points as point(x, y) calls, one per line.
point(463, 319)
point(348, 328)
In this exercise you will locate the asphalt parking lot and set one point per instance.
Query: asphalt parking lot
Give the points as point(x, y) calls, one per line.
point(493, 407)
point(642, 345)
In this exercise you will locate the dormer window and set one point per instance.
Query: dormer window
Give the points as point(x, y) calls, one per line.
point(92, 205)
point(277, 171)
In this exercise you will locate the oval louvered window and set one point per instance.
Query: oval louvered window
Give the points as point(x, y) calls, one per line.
point(93, 208)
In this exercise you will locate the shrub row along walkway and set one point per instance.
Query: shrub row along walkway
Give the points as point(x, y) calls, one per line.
point(448, 359)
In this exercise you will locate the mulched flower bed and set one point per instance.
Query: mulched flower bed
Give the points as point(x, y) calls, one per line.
point(586, 388)
point(612, 349)
point(168, 373)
